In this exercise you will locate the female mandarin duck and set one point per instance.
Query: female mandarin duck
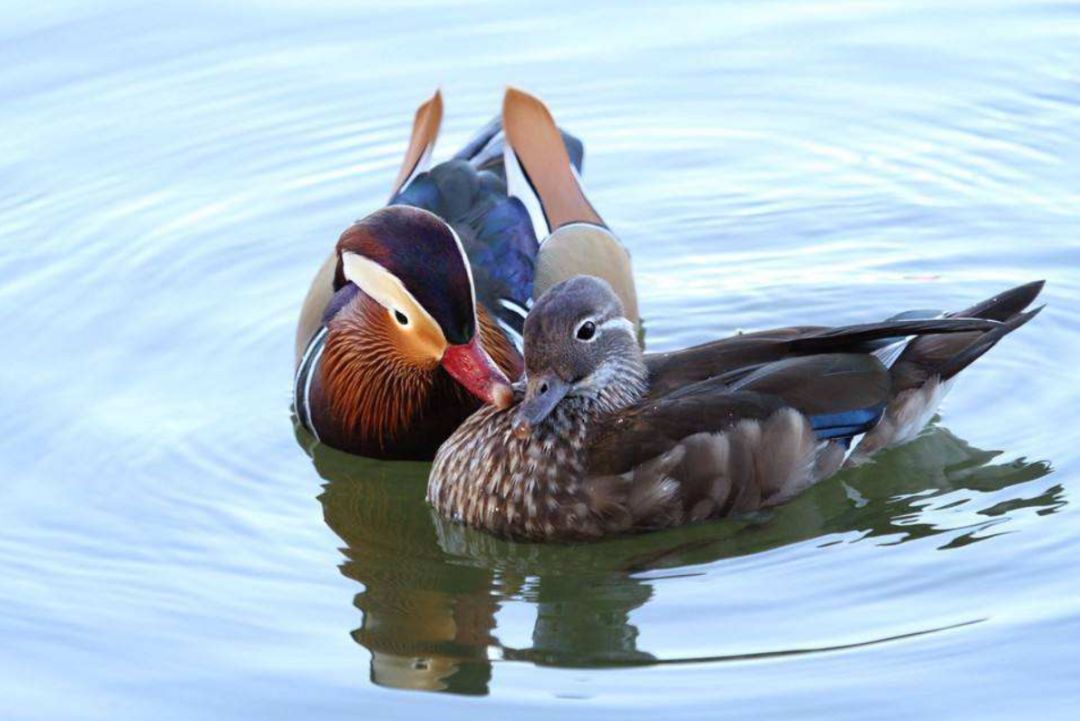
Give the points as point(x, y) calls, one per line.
point(608, 441)
point(411, 322)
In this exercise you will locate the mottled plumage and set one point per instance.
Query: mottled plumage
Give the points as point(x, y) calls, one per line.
point(603, 440)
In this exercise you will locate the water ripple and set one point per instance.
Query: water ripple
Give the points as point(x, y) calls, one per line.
point(173, 178)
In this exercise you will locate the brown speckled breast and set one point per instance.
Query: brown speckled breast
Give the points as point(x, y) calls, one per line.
point(487, 478)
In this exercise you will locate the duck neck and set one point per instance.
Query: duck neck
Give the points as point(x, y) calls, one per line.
point(615, 386)
point(559, 445)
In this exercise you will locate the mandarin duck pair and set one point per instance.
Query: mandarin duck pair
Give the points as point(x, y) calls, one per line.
point(441, 326)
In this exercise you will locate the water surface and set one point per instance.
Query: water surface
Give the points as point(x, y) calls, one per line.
point(171, 180)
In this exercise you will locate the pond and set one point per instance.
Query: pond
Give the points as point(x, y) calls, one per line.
point(173, 549)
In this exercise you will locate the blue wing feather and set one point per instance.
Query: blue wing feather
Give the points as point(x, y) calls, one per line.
point(836, 426)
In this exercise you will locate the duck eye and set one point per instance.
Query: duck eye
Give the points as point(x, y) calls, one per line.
point(401, 318)
point(586, 330)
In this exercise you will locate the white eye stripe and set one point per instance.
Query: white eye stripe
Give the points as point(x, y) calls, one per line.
point(382, 286)
point(617, 323)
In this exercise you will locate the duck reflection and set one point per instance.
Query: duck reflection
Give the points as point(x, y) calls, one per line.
point(434, 591)
point(427, 620)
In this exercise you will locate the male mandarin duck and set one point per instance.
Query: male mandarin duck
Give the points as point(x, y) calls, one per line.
point(415, 319)
point(605, 440)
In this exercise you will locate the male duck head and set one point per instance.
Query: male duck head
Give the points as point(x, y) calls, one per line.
point(579, 344)
point(404, 306)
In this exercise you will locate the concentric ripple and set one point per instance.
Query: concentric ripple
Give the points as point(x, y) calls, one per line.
point(173, 177)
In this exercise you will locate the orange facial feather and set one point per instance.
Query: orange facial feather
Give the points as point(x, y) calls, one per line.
point(377, 386)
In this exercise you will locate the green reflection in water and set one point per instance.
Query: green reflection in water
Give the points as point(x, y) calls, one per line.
point(432, 588)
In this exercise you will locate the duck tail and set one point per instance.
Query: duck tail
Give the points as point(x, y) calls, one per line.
point(425, 132)
point(922, 371)
point(944, 356)
point(1005, 306)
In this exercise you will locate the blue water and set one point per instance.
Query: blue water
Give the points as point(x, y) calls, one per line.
point(172, 177)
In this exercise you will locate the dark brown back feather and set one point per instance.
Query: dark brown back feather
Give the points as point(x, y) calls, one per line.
point(619, 443)
point(736, 356)
point(833, 383)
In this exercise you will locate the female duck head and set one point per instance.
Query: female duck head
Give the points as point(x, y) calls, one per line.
point(579, 344)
